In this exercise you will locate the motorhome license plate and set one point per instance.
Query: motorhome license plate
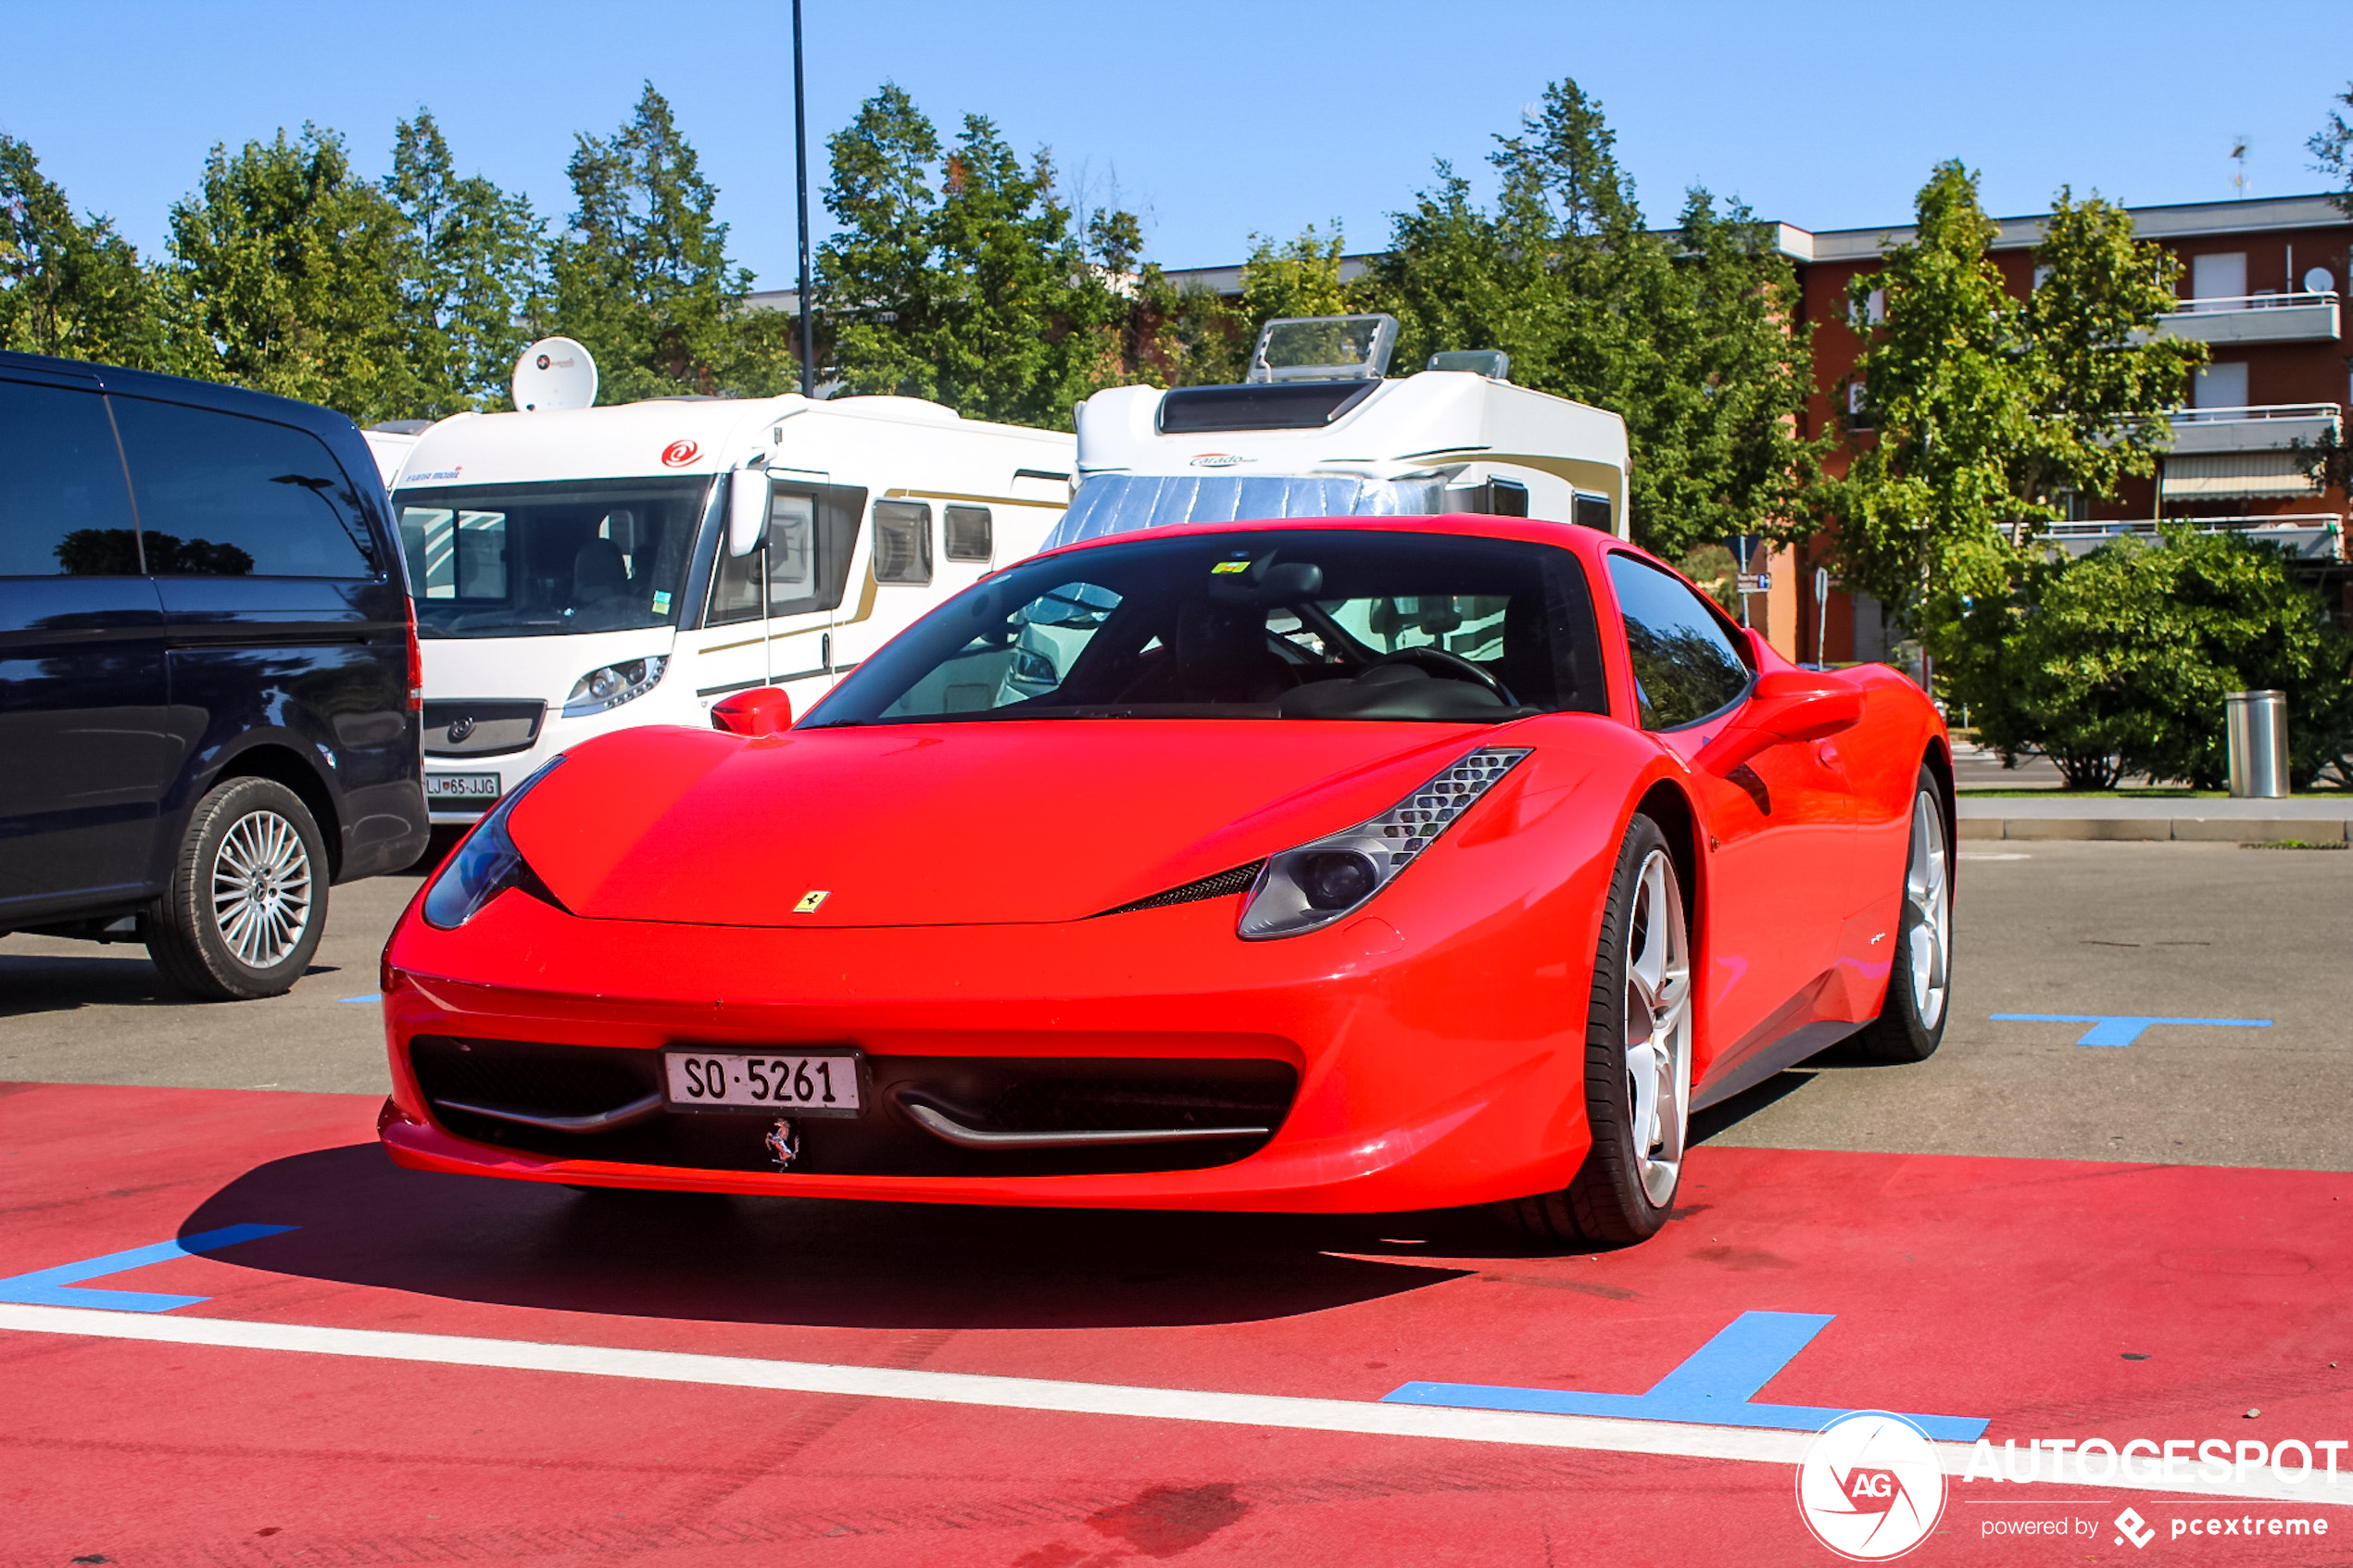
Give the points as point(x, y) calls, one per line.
point(470, 787)
point(811, 1084)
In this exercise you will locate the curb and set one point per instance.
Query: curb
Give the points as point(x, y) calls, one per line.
point(2201, 829)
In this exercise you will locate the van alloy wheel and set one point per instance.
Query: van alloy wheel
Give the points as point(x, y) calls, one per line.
point(261, 889)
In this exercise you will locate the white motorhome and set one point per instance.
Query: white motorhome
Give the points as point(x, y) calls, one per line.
point(1317, 431)
point(588, 569)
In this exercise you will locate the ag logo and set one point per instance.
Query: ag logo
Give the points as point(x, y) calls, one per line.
point(1870, 1487)
point(678, 454)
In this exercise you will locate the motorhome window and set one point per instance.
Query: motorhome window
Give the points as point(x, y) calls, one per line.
point(63, 508)
point(1124, 503)
point(903, 542)
point(969, 533)
point(223, 496)
point(1307, 404)
point(1591, 511)
point(1358, 624)
point(545, 560)
point(805, 562)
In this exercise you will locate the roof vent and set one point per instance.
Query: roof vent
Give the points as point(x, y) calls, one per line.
point(1323, 348)
point(1492, 363)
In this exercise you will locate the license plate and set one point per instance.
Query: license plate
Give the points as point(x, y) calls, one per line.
point(809, 1083)
point(467, 787)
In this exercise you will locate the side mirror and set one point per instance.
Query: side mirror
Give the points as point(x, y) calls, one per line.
point(1787, 706)
point(763, 710)
point(747, 511)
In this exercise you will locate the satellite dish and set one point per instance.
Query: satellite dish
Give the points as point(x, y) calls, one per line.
point(2319, 281)
point(553, 373)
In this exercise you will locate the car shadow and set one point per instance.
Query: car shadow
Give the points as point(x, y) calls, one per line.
point(363, 1220)
point(37, 983)
point(1726, 1114)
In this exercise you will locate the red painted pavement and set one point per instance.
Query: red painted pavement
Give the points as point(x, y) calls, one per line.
point(2008, 1289)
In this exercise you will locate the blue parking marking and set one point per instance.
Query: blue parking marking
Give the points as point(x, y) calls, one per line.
point(2122, 1028)
point(56, 1287)
point(1712, 1387)
point(370, 997)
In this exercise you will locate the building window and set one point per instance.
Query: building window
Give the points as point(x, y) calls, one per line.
point(1858, 408)
point(2220, 386)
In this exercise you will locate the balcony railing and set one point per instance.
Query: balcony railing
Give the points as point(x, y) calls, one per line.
point(2311, 535)
point(2254, 317)
point(2261, 427)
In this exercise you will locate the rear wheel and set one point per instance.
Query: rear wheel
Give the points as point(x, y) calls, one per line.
point(247, 900)
point(1910, 1024)
point(1638, 1060)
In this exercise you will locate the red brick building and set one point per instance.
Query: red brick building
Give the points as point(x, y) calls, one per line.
point(2262, 284)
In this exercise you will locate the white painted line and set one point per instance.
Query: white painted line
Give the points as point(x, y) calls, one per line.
point(1593, 1433)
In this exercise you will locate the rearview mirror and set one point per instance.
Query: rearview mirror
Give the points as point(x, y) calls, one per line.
point(1786, 706)
point(747, 511)
point(763, 710)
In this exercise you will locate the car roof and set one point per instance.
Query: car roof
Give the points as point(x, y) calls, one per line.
point(180, 389)
point(1536, 531)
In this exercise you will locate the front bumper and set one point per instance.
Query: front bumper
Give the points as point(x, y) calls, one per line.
point(1438, 1058)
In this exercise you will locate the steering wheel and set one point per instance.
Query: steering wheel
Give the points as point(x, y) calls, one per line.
point(1450, 666)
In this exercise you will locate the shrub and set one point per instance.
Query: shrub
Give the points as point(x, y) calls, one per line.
point(2118, 662)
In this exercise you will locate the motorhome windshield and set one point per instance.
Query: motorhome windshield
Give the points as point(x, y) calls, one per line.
point(538, 560)
point(1123, 503)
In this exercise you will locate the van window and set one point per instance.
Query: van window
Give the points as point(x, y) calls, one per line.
point(968, 531)
point(811, 535)
point(224, 495)
point(903, 542)
point(63, 508)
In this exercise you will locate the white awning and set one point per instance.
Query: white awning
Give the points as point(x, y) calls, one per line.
point(2216, 475)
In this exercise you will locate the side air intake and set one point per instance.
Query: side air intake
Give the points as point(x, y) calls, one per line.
point(1223, 884)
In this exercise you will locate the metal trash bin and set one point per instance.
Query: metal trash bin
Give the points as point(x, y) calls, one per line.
point(2255, 726)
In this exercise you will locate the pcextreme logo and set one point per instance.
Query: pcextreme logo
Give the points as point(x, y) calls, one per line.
point(1869, 1486)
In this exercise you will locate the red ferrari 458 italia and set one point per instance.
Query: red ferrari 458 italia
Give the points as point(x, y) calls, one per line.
point(1322, 865)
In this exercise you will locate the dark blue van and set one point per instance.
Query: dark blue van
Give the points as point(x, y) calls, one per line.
point(210, 688)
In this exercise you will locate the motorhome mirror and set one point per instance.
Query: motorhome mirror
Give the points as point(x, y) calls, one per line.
point(554, 373)
point(747, 511)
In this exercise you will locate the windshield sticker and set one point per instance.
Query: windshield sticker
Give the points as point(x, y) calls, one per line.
point(662, 602)
point(1224, 567)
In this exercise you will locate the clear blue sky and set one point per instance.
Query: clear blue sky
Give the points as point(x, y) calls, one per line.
point(1218, 119)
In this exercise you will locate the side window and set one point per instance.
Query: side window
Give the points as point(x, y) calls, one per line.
point(224, 495)
point(811, 534)
point(1685, 665)
point(969, 533)
point(734, 587)
point(903, 542)
point(63, 510)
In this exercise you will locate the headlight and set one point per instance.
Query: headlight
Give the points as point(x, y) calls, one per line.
point(613, 685)
point(1315, 883)
point(486, 865)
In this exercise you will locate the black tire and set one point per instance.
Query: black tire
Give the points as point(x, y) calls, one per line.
point(1609, 1202)
point(1910, 1024)
point(271, 884)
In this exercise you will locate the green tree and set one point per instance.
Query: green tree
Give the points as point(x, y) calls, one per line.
point(2332, 149)
point(1981, 406)
point(958, 273)
point(285, 276)
point(469, 269)
point(1299, 277)
point(70, 287)
point(641, 274)
point(1693, 336)
point(2117, 663)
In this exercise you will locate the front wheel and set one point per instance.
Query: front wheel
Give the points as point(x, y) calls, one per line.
point(1910, 1024)
point(1638, 1060)
point(247, 900)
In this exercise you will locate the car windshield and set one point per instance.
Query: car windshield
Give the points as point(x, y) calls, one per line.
point(536, 560)
point(1358, 623)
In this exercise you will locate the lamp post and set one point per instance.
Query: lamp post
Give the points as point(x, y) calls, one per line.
point(801, 181)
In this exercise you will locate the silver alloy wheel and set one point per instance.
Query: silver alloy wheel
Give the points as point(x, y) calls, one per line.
point(261, 889)
point(1928, 912)
point(1659, 1025)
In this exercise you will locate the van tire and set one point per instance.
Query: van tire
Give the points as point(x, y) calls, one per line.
point(253, 857)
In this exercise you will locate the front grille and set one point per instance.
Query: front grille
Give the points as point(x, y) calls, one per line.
point(1223, 884)
point(990, 1094)
point(467, 727)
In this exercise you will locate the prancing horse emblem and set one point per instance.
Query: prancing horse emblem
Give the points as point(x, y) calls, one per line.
point(460, 729)
point(784, 1145)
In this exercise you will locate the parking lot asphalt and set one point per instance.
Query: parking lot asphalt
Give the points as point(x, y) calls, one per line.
point(2092, 928)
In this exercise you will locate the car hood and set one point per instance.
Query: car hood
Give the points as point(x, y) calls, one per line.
point(948, 825)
